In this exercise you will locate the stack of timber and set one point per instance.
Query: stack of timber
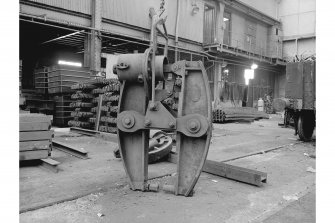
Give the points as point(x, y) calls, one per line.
point(35, 136)
point(221, 115)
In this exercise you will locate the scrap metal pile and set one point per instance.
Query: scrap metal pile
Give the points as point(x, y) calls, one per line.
point(86, 107)
point(302, 58)
point(222, 115)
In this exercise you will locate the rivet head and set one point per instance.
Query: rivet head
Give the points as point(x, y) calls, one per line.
point(193, 125)
point(171, 124)
point(152, 106)
point(147, 122)
point(140, 78)
point(128, 121)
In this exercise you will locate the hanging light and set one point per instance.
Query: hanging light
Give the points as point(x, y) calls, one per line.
point(63, 62)
point(254, 66)
point(248, 74)
point(195, 8)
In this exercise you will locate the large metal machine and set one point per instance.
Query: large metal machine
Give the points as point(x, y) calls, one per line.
point(149, 86)
point(299, 101)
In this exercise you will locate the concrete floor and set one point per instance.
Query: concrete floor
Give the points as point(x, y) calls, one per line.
point(85, 189)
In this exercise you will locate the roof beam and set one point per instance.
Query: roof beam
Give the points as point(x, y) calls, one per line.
point(62, 37)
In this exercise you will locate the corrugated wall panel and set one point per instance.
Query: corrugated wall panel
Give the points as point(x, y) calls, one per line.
point(83, 6)
point(133, 12)
point(261, 39)
point(238, 30)
point(136, 12)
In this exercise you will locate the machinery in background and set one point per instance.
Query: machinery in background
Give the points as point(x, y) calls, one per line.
point(299, 101)
point(149, 84)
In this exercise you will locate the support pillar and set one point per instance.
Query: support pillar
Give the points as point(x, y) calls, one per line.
point(95, 38)
point(87, 51)
point(217, 78)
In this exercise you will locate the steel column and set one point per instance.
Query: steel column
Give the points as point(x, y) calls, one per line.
point(95, 39)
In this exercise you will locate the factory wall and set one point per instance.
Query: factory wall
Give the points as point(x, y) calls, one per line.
point(134, 15)
point(136, 12)
point(268, 7)
point(83, 6)
point(265, 38)
point(298, 19)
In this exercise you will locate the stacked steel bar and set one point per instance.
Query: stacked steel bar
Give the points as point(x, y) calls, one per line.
point(35, 136)
point(86, 104)
point(221, 115)
point(81, 106)
point(218, 116)
point(109, 106)
point(60, 80)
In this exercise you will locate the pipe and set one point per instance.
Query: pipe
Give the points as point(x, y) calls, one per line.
point(176, 33)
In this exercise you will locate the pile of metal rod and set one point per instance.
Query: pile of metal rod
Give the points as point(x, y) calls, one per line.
point(109, 94)
point(87, 106)
point(222, 115)
point(82, 105)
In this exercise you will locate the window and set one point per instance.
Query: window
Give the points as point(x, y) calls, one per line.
point(226, 28)
point(209, 24)
point(250, 36)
